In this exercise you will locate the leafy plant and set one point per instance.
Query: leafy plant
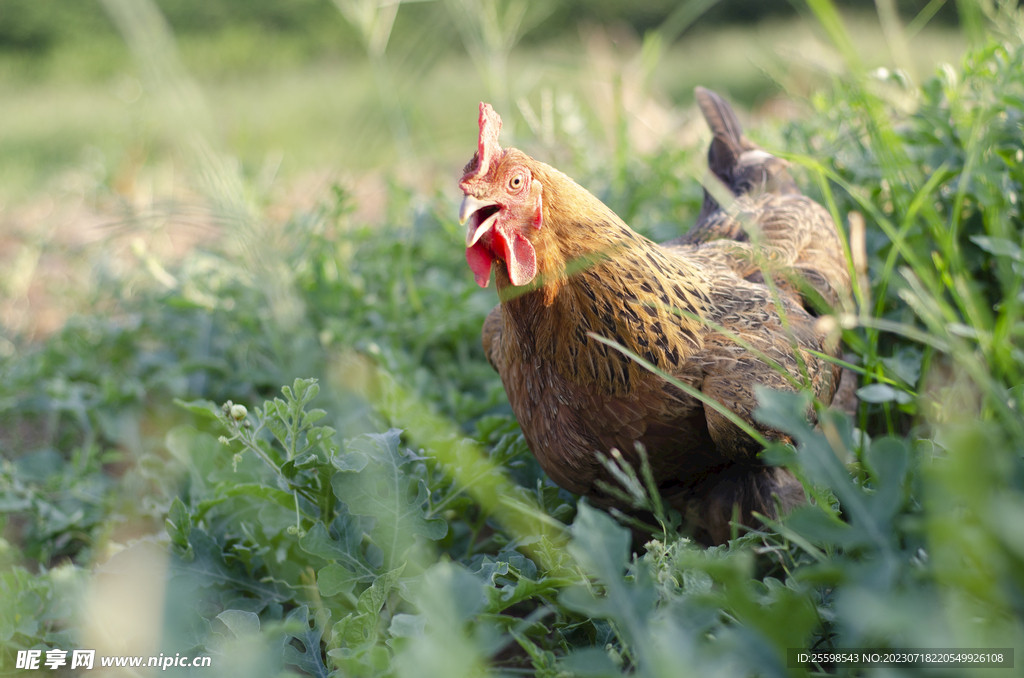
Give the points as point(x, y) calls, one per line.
point(386, 518)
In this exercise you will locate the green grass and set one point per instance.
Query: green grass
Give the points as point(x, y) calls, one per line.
point(388, 519)
point(317, 108)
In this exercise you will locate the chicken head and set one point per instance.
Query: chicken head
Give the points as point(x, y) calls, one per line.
point(502, 205)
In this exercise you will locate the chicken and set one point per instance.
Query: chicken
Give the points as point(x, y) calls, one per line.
point(796, 230)
point(568, 270)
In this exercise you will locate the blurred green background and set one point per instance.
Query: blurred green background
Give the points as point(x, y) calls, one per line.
point(294, 82)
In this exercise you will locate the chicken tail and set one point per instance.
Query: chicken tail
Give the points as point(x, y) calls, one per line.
point(743, 166)
point(729, 143)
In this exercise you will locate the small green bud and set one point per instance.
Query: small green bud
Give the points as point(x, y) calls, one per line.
point(223, 440)
point(238, 412)
point(226, 407)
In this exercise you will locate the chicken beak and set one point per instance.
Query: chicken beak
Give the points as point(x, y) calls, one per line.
point(469, 206)
point(478, 215)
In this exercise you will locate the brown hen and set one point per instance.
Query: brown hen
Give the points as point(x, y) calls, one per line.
point(697, 308)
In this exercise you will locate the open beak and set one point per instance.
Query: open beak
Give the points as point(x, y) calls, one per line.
point(480, 215)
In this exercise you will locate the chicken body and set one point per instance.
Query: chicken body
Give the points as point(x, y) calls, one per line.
point(567, 268)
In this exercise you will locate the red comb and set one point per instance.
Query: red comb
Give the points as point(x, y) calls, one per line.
point(487, 146)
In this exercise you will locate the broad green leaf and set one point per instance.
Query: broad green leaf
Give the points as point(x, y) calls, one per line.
point(882, 393)
point(361, 628)
point(350, 461)
point(591, 662)
point(372, 599)
point(888, 458)
point(335, 579)
point(1007, 516)
point(513, 583)
point(385, 491)
point(350, 633)
point(407, 626)
point(309, 659)
point(785, 411)
point(204, 408)
point(313, 416)
point(320, 440)
point(451, 591)
point(490, 570)
point(207, 568)
point(905, 364)
point(288, 470)
point(241, 622)
point(346, 551)
point(198, 452)
point(20, 612)
point(448, 597)
point(819, 527)
point(524, 589)
point(38, 467)
point(602, 548)
point(1001, 247)
point(599, 544)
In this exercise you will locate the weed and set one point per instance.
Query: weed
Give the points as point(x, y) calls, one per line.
point(382, 516)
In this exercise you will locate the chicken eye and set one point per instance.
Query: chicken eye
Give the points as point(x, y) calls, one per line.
point(515, 182)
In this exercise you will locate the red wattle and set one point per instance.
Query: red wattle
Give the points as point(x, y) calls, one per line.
point(519, 256)
point(480, 260)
